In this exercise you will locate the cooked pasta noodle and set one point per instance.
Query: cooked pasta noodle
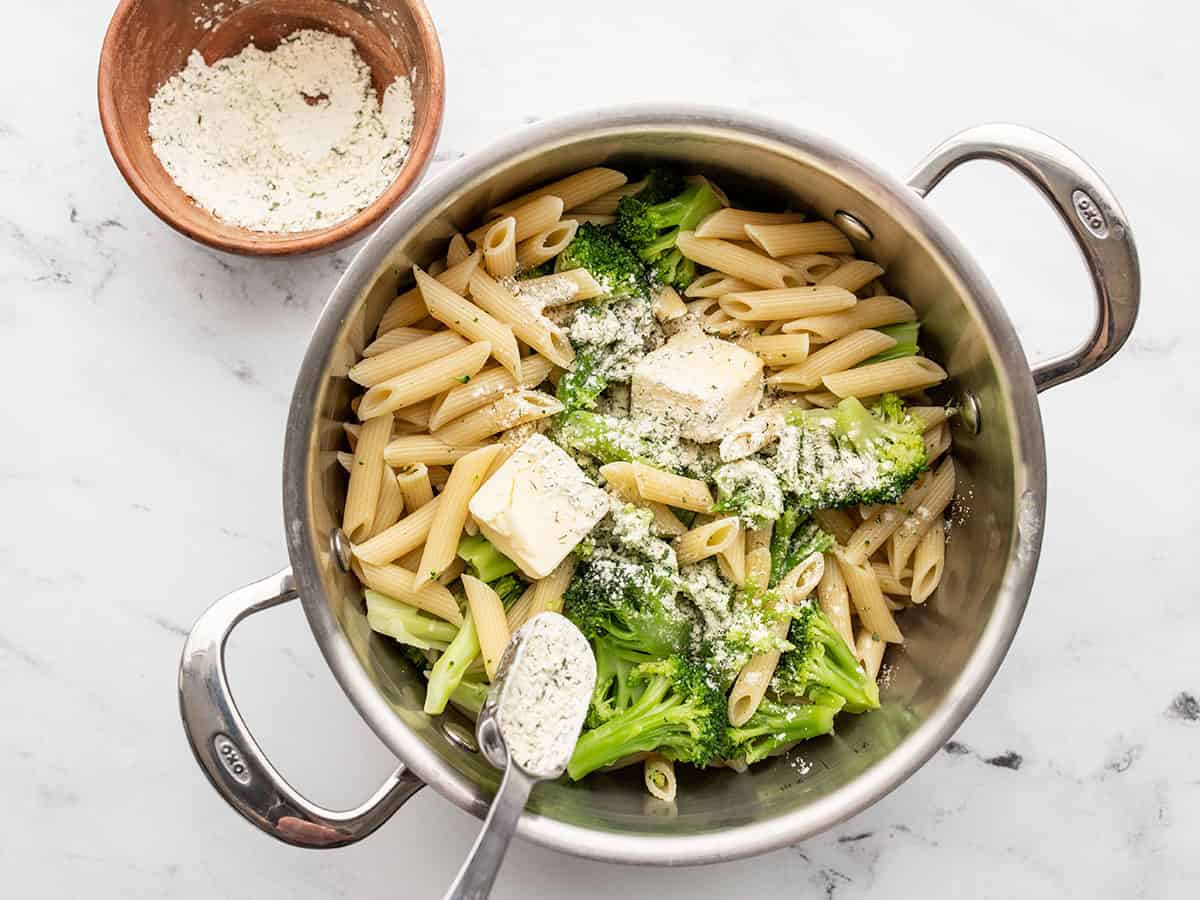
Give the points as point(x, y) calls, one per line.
point(928, 560)
point(873, 313)
point(387, 365)
point(415, 486)
point(659, 775)
point(893, 375)
point(787, 303)
point(403, 537)
point(441, 544)
point(362, 496)
point(934, 503)
point(716, 284)
point(537, 331)
point(730, 224)
point(793, 239)
point(737, 261)
point(400, 584)
point(842, 354)
point(507, 412)
point(409, 308)
point(853, 275)
point(463, 316)
point(778, 349)
point(423, 382)
point(707, 540)
point(574, 190)
point(546, 245)
point(491, 625)
point(397, 337)
point(500, 248)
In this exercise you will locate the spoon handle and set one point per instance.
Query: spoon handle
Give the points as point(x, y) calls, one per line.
point(474, 881)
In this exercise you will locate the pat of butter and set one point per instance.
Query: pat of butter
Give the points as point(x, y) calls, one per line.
point(537, 506)
point(703, 385)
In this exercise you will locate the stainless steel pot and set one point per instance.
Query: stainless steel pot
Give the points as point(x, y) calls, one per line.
point(955, 644)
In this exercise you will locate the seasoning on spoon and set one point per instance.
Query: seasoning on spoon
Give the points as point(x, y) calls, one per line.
point(528, 728)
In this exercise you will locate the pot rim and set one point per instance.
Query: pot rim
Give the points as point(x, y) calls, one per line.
point(912, 214)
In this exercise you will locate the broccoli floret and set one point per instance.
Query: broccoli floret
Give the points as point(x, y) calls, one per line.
point(628, 602)
point(485, 561)
point(750, 489)
point(609, 439)
point(830, 458)
point(678, 714)
point(660, 185)
point(795, 538)
point(508, 589)
point(774, 727)
point(545, 268)
point(650, 221)
point(822, 663)
point(598, 249)
point(581, 385)
point(614, 690)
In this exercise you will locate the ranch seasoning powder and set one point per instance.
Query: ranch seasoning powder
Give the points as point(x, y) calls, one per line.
point(286, 141)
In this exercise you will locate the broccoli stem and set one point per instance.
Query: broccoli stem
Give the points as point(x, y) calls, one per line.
point(637, 730)
point(469, 696)
point(447, 673)
point(781, 541)
point(905, 336)
point(488, 563)
point(407, 624)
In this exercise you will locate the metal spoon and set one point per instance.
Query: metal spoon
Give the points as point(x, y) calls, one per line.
point(517, 672)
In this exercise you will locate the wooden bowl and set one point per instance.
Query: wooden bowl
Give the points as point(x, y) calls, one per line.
point(148, 41)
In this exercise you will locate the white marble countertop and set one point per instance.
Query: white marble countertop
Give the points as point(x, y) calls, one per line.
point(146, 381)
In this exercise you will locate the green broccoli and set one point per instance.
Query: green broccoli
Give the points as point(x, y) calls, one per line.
point(609, 439)
point(905, 336)
point(598, 249)
point(821, 663)
point(775, 726)
point(793, 539)
point(678, 714)
point(614, 691)
point(546, 268)
point(650, 221)
point(485, 561)
point(830, 458)
point(628, 602)
point(407, 624)
point(581, 385)
point(750, 489)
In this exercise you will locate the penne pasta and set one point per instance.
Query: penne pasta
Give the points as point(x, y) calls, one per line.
point(537, 331)
point(812, 266)
point(716, 284)
point(788, 303)
point(732, 560)
point(457, 250)
point(415, 486)
point(871, 535)
point(621, 481)
point(837, 522)
point(844, 353)
point(777, 349)
point(422, 448)
point(867, 598)
point(390, 505)
point(508, 412)
point(528, 219)
point(659, 775)
point(416, 415)
point(928, 560)
point(853, 275)
point(737, 261)
point(937, 442)
point(913, 528)
point(487, 386)
point(423, 382)
point(873, 313)
point(397, 337)
point(441, 545)
point(834, 599)
point(520, 612)
point(891, 376)
point(574, 190)
point(803, 238)
point(896, 585)
point(707, 540)
point(673, 490)
point(373, 370)
point(405, 536)
point(362, 494)
point(562, 288)
point(667, 304)
point(463, 316)
point(491, 624)
point(409, 308)
point(546, 244)
point(869, 650)
point(500, 248)
point(730, 224)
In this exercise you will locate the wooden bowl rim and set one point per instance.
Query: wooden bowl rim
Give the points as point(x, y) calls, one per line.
point(419, 155)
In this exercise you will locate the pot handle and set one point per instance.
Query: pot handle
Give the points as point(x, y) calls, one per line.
point(1088, 209)
point(230, 756)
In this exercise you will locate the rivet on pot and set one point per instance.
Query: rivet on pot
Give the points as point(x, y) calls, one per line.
point(853, 226)
point(969, 412)
point(459, 736)
point(340, 546)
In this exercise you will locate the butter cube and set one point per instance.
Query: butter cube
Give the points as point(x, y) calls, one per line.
point(537, 506)
point(702, 385)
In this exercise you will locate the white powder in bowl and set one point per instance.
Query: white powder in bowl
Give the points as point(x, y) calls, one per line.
point(286, 141)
